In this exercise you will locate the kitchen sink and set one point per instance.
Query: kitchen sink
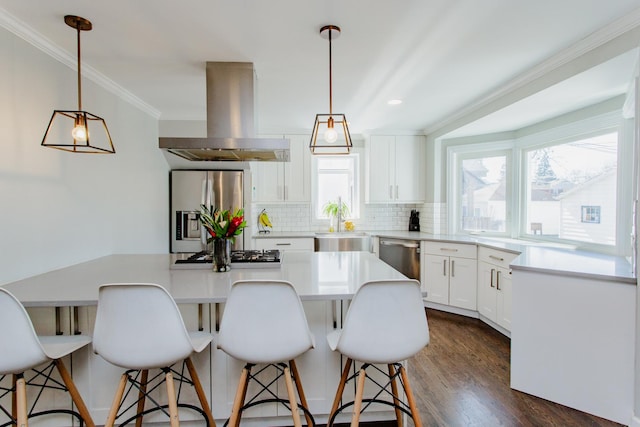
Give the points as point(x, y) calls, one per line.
point(346, 241)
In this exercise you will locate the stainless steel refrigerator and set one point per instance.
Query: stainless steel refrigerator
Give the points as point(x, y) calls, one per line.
point(222, 189)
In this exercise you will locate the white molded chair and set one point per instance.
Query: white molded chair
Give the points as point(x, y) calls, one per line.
point(23, 350)
point(139, 327)
point(385, 324)
point(264, 323)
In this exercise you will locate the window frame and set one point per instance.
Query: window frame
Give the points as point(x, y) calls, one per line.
point(355, 209)
point(590, 127)
point(456, 155)
point(518, 144)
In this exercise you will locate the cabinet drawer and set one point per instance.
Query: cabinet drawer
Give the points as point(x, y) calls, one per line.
point(496, 257)
point(450, 249)
point(285, 244)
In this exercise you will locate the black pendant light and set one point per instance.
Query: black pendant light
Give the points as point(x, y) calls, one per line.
point(78, 131)
point(333, 128)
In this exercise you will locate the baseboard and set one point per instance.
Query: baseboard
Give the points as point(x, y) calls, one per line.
point(495, 326)
point(635, 421)
point(451, 309)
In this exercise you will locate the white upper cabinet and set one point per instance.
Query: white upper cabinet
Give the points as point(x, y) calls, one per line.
point(284, 181)
point(395, 169)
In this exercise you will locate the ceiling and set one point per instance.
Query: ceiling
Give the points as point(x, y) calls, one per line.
point(437, 56)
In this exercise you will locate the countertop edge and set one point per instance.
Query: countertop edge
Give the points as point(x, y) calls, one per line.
point(524, 250)
point(578, 274)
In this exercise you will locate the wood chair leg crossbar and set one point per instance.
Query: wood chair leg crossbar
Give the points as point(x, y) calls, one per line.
point(139, 381)
point(42, 379)
point(291, 376)
point(396, 374)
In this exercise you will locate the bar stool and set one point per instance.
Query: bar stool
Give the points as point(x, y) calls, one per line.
point(264, 323)
point(385, 324)
point(23, 350)
point(139, 327)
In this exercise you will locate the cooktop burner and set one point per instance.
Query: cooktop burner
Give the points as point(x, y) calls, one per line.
point(239, 259)
point(255, 256)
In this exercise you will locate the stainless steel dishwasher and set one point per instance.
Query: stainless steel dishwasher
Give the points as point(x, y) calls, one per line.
point(403, 255)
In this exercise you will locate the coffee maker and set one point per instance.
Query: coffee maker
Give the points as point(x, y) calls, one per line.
point(414, 220)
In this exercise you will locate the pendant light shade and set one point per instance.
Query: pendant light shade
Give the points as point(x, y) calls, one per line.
point(330, 133)
point(78, 131)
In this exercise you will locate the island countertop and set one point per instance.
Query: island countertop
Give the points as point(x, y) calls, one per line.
point(315, 275)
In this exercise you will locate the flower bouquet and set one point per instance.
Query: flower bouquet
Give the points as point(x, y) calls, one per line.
point(223, 227)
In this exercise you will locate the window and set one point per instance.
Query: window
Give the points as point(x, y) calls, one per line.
point(591, 214)
point(562, 183)
point(483, 193)
point(336, 177)
point(566, 186)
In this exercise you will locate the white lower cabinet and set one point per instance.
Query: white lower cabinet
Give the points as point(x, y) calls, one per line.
point(449, 274)
point(284, 243)
point(494, 286)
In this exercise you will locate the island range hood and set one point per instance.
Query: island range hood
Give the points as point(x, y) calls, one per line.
point(230, 121)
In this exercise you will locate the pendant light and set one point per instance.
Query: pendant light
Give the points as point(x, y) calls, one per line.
point(333, 128)
point(78, 131)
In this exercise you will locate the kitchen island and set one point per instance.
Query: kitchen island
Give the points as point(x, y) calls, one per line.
point(325, 282)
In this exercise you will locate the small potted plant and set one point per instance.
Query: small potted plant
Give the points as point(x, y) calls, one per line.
point(334, 209)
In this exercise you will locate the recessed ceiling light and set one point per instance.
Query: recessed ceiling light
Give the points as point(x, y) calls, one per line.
point(394, 102)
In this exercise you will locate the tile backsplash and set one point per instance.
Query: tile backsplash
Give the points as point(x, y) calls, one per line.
point(297, 217)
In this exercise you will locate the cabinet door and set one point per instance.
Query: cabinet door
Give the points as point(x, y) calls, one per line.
point(487, 290)
point(381, 161)
point(436, 280)
point(409, 169)
point(268, 181)
point(503, 302)
point(462, 283)
point(297, 172)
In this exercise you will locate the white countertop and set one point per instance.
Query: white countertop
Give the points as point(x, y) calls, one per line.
point(533, 256)
point(315, 275)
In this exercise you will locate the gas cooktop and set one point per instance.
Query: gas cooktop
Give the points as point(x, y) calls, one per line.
point(239, 259)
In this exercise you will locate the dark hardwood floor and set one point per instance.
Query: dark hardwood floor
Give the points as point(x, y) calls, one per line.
point(462, 379)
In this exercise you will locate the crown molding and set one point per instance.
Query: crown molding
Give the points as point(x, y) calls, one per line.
point(31, 36)
point(593, 41)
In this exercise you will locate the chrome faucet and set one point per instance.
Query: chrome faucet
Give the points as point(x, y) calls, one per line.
point(339, 213)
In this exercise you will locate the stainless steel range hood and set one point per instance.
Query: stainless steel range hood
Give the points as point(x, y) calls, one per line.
point(230, 121)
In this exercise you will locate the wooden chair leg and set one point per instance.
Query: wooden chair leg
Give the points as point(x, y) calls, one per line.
point(238, 401)
point(394, 390)
point(115, 405)
point(303, 398)
point(293, 401)
point(340, 391)
point(171, 398)
point(357, 406)
point(75, 394)
point(410, 400)
point(204, 403)
point(14, 402)
point(22, 419)
point(142, 396)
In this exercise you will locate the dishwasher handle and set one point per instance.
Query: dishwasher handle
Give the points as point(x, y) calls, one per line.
point(412, 245)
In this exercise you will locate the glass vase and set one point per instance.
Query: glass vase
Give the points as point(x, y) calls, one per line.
point(221, 255)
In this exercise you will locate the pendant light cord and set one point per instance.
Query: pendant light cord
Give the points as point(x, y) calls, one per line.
point(330, 78)
point(79, 74)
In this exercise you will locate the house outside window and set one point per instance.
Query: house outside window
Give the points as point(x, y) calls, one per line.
point(567, 184)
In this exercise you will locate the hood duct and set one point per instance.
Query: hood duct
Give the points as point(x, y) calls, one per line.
point(230, 121)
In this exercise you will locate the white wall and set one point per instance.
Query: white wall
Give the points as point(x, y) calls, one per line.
point(59, 208)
